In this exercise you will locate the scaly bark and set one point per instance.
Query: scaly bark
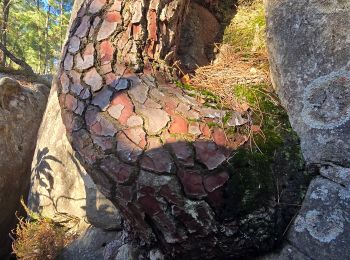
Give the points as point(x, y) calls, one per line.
point(145, 142)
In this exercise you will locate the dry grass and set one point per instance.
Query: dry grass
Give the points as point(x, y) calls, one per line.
point(39, 238)
point(230, 69)
point(242, 59)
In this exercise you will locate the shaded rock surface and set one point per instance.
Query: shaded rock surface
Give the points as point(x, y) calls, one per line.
point(90, 245)
point(21, 110)
point(59, 184)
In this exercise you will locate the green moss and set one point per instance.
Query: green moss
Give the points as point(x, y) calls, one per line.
point(257, 169)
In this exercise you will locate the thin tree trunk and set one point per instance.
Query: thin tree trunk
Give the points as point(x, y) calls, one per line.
point(5, 14)
point(61, 23)
point(47, 43)
point(18, 61)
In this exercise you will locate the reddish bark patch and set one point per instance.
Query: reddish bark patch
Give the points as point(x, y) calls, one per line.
point(179, 125)
point(122, 98)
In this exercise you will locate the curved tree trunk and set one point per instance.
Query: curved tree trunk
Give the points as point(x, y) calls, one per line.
point(147, 144)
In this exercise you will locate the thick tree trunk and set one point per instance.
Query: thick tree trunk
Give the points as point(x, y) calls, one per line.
point(147, 144)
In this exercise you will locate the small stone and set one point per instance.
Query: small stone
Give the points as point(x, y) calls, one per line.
point(108, 129)
point(192, 182)
point(93, 79)
point(212, 113)
point(152, 104)
point(120, 172)
point(157, 160)
point(85, 94)
point(117, 6)
point(139, 93)
point(137, 12)
point(157, 94)
point(150, 204)
point(205, 130)
point(80, 108)
point(127, 150)
point(121, 84)
point(106, 52)
point(156, 119)
point(102, 99)
point(121, 98)
point(182, 109)
point(71, 102)
point(183, 152)
point(83, 27)
point(77, 89)
point(236, 120)
point(219, 137)
point(96, 6)
point(134, 121)
point(92, 115)
point(208, 154)
point(116, 111)
point(75, 77)
point(64, 83)
point(105, 143)
point(74, 44)
point(170, 105)
point(154, 143)
point(86, 60)
point(178, 125)
point(109, 25)
point(105, 69)
point(214, 182)
point(194, 129)
point(68, 62)
point(137, 135)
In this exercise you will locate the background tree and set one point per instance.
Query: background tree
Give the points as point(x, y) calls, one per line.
point(32, 31)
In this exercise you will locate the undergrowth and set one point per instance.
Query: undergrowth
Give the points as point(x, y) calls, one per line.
point(39, 238)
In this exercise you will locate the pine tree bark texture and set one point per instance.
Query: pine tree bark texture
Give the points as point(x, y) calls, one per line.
point(145, 142)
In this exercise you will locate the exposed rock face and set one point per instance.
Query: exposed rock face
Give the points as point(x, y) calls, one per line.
point(21, 110)
point(146, 143)
point(309, 47)
point(59, 184)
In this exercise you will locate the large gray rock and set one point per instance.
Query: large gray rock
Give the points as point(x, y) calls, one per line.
point(59, 184)
point(21, 110)
point(322, 227)
point(308, 44)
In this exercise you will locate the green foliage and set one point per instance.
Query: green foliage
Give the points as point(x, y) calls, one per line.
point(36, 30)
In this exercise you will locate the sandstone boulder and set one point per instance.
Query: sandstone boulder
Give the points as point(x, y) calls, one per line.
point(21, 110)
point(59, 184)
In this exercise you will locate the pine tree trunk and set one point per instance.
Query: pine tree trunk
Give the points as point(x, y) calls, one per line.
point(147, 144)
